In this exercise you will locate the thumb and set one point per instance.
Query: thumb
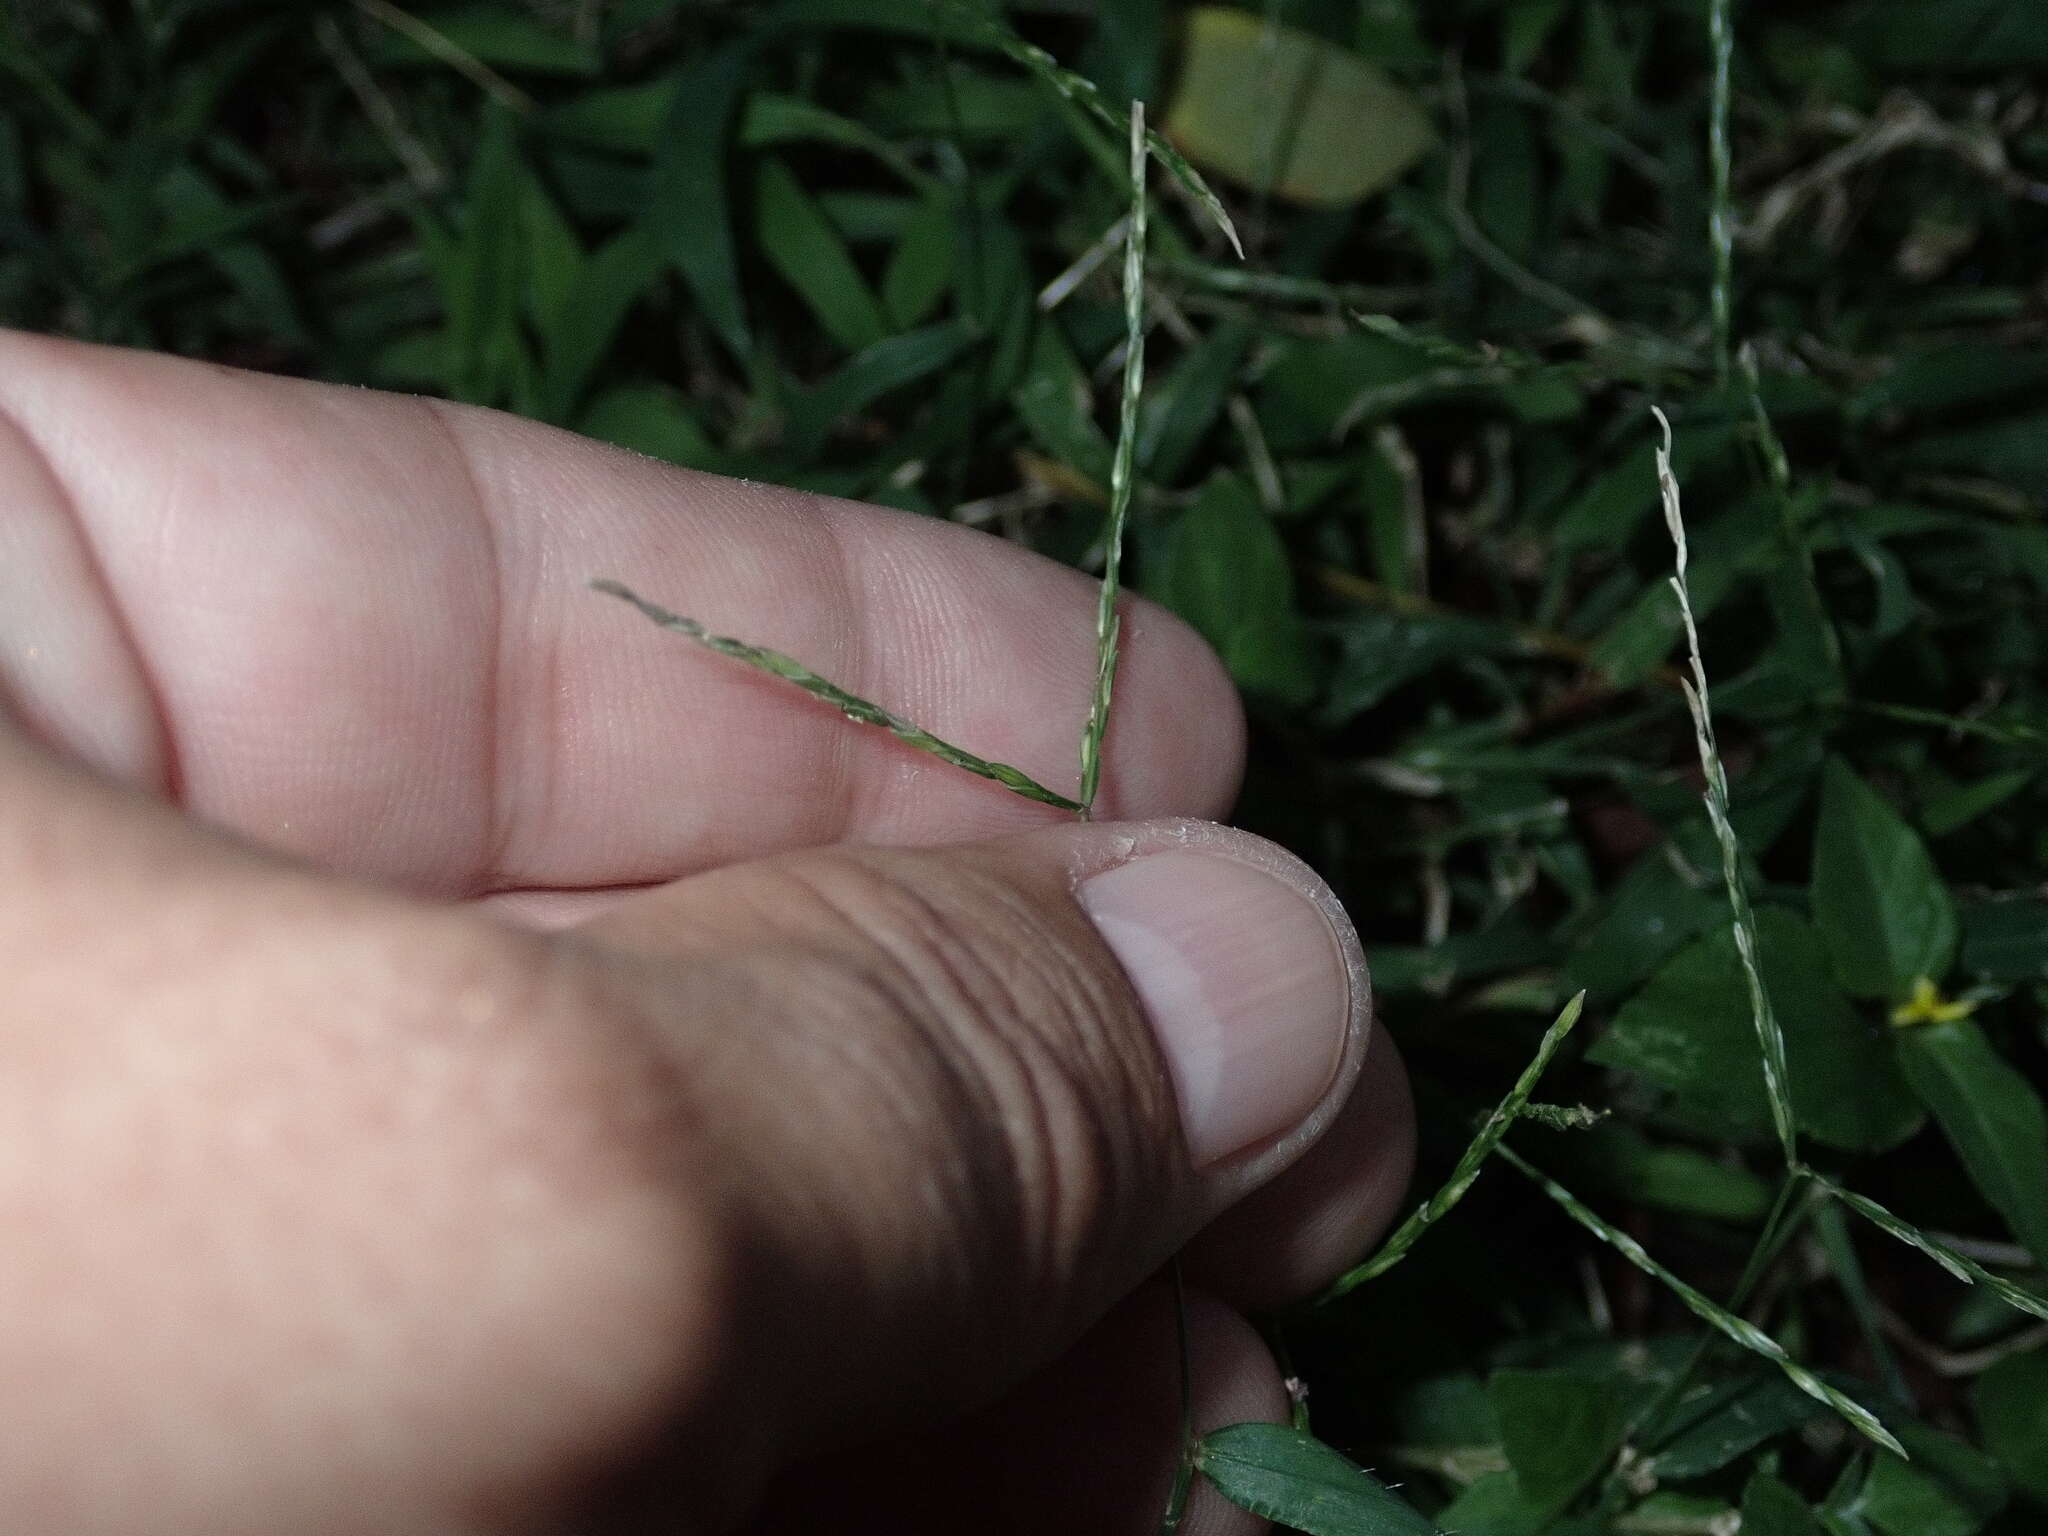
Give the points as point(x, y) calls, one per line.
point(952, 1104)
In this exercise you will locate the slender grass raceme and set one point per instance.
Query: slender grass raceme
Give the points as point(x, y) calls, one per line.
point(1462, 1178)
point(1743, 1332)
point(1777, 1077)
point(850, 705)
point(1121, 475)
point(1961, 1265)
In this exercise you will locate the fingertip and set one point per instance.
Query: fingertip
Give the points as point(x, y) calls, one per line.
point(1177, 736)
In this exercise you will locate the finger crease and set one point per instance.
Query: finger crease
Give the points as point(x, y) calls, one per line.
point(171, 781)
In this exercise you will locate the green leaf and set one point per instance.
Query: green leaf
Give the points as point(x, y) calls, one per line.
point(482, 280)
point(1956, 808)
point(1380, 651)
point(626, 119)
point(1992, 1117)
point(651, 419)
point(1622, 1160)
point(1949, 1488)
point(802, 245)
point(2011, 1400)
point(1770, 1508)
point(1730, 1420)
point(1879, 902)
point(553, 256)
point(690, 214)
point(1658, 906)
point(581, 330)
point(1690, 1031)
point(1495, 1505)
point(1283, 110)
point(1278, 1472)
point(1559, 1429)
point(1055, 404)
point(1225, 571)
point(771, 118)
point(889, 364)
point(1182, 407)
point(921, 267)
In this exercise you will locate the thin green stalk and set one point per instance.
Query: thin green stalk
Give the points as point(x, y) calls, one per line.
point(1831, 1231)
point(1121, 474)
point(1962, 1266)
point(1184, 1474)
point(1741, 1330)
point(1777, 1076)
point(852, 706)
point(1462, 1178)
point(1721, 219)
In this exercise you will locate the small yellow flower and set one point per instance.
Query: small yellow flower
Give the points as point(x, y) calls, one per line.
point(1928, 1006)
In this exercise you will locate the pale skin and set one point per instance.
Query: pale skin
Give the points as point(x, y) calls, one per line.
point(473, 1063)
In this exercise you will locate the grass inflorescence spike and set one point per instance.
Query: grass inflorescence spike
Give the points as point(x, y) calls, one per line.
point(1741, 1330)
point(1961, 1265)
point(1122, 472)
point(855, 708)
point(1462, 1178)
point(1770, 1036)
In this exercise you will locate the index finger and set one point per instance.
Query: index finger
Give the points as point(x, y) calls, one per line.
point(358, 627)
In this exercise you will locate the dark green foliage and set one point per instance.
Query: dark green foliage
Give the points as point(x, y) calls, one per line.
point(2012, 1411)
point(1398, 467)
point(1689, 1032)
point(1885, 915)
point(1293, 1478)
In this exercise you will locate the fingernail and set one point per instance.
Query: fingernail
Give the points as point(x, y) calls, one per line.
point(1244, 983)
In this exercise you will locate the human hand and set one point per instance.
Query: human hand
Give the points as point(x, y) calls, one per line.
point(474, 1064)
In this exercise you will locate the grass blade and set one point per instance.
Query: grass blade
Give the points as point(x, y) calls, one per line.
point(855, 708)
point(689, 211)
point(1742, 1331)
point(1777, 1078)
point(1462, 1178)
point(1120, 472)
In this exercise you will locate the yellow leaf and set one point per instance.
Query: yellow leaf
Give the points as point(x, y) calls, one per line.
point(1284, 110)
